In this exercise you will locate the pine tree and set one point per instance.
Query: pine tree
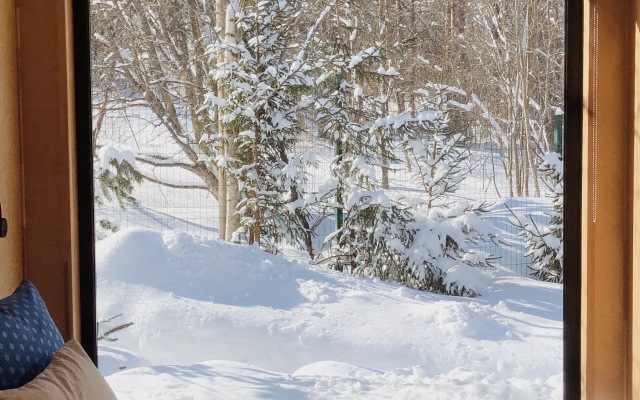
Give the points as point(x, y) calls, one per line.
point(265, 80)
point(352, 118)
point(544, 243)
point(383, 236)
point(437, 156)
point(443, 235)
point(442, 242)
point(116, 173)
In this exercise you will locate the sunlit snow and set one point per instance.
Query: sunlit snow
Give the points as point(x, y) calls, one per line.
point(214, 320)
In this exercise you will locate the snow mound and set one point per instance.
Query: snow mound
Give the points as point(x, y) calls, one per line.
point(333, 368)
point(469, 277)
point(115, 359)
point(215, 320)
point(198, 268)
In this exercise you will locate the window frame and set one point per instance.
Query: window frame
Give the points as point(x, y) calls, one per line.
point(574, 61)
point(84, 176)
point(572, 294)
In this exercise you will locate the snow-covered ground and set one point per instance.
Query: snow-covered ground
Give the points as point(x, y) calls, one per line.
point(214, 320)
point(219, 321)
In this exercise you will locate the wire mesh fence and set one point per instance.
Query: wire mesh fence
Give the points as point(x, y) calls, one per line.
point(195, 210)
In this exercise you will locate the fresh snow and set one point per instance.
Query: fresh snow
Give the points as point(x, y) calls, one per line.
point(107, 153)
point(214, 320)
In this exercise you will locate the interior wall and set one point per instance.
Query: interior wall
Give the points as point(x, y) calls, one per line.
point(11, 261)
point(634, 178)
point(45, 60)
point(606, 219)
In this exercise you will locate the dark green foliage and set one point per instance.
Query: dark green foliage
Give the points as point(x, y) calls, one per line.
point(118, 185)
point(545, 243)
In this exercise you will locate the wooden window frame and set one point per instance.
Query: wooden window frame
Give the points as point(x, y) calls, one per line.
point(582, 334)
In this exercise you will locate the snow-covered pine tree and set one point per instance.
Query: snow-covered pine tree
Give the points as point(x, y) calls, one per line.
point(440, 258)
point(437, 156)
point(116, 173)
point(374, 234)
point(544, 243)
point(443, 234)
point(383, 236)
point(265, 80)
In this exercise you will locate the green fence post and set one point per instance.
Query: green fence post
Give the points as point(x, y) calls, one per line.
point(339, 213)
point(338, 154)
point(558, 122)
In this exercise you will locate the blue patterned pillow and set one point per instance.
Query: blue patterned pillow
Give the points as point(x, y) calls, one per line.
point(28, 337)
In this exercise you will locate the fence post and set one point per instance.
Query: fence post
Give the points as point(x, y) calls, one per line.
point(338, 210)
point(558, 122)
point(338, 154)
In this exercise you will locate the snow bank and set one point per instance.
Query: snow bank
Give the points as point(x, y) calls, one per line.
point(216, 320)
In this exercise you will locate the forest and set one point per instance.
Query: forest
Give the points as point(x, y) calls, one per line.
point(238, 88)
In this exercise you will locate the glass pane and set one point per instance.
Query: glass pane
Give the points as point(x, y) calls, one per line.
point(312, 199)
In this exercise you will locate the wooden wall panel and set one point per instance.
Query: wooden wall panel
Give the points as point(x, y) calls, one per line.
point(48, 142)
point(634, 178)
point(606, 218)
point(11, 264)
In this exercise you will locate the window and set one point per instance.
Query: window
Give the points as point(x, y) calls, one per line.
point(386, 71)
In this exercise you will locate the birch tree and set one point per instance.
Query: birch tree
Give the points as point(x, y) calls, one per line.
point(150, 56)
point(266, 84)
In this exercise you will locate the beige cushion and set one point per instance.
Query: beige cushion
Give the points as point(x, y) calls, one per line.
point(70, 376)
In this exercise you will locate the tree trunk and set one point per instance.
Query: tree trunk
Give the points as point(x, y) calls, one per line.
point(509, 169)
point(221, 8)
point(308, 237)
point(401, 109)
point(233, 194)
point(383, 150)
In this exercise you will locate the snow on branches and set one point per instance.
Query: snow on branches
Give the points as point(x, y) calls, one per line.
point(268, 84)
point(116, 173)
point(265, 84)
point(387, 237)
point(544, 243)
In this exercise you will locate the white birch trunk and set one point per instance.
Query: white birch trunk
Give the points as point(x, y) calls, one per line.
point(233, 195)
